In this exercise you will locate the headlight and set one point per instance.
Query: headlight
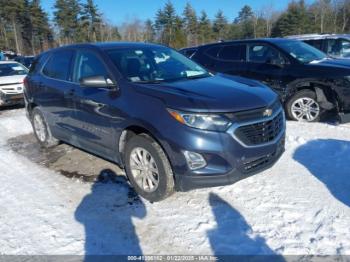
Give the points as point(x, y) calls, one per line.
point(212, 122)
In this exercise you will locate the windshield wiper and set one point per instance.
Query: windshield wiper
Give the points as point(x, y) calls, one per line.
point(149, 82)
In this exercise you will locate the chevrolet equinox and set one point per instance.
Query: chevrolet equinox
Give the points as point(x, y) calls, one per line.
point(168, 122)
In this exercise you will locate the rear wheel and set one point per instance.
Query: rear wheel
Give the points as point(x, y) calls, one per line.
point(41, 129)
point(148, 168)
point(303, 106)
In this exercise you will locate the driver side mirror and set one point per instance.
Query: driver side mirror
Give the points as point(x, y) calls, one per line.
point(97, 81)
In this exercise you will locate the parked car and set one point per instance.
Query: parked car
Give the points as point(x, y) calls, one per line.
point(25, 60)
point(11, 83)
point(335, 45)
point(308, 82)
point(165, 119)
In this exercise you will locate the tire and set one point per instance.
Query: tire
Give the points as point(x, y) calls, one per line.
point(137, 149)
point(303, 106)
point(41, 129)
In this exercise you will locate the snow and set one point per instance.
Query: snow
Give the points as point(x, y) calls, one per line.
point(300, 206)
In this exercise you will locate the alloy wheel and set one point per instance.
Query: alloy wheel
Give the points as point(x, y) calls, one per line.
point(305, 109)
point(39, 127)
point(144, 169)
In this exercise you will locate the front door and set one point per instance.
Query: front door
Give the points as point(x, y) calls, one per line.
point(96, 114)
point(267, 65)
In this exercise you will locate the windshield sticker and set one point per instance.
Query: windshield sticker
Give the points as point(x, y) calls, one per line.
point(193, 73)
point(135, 79)
point(17, 68)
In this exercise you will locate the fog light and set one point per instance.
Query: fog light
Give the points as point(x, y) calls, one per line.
point(194, 160)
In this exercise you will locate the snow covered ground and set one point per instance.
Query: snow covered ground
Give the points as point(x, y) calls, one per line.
point(300, 206)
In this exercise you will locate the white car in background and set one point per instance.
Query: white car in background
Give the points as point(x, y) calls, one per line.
point(12, 75)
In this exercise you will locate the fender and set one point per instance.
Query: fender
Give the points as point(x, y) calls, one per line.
point(325, 91)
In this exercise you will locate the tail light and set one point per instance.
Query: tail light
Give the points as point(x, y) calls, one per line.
point(25, 82)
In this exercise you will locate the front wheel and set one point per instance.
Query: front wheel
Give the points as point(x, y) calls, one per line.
point(148, 168)
point(303, 106)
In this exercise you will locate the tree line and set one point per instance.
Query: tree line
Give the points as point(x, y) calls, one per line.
point(26, 27)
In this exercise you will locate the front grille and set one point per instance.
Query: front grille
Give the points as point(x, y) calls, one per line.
point(262, 132)
point(250, 115)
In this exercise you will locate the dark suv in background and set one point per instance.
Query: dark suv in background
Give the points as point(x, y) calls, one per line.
point(307, 80)
point(165, 119)
point(334, 45)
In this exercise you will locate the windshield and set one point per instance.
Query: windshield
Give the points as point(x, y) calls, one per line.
point(303, 52)
point(12, 69)
point(154, 64)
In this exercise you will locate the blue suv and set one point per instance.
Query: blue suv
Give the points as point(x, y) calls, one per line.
point(167, 121)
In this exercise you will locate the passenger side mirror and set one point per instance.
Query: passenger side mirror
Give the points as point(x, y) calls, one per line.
point(97, 81)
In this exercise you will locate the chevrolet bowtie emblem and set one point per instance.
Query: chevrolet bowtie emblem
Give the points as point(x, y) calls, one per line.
point(267, 112)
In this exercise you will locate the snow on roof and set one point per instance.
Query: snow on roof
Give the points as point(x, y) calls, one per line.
point(318, 36)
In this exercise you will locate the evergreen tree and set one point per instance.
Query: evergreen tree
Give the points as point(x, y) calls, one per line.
point(11, 11)
point(190, 25)
point(204, 29)
point(90, 20)
point(245, 20)
point(220, 26)
point(296, 20)
point(149, 31)
point(42, 37)
point(66, 17)
point(166, 23)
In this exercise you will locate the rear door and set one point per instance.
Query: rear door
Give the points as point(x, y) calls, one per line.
point(53, 93)
point(231, 59)
point(96, 109)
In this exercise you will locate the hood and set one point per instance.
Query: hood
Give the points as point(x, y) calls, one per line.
point(219, 93)
point(11, 79)
point(333, 62)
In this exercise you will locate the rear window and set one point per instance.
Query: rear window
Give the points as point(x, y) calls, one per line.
point(233, 53)
point(188, 52)
point(37, 63)
point(58, 66)
point(213, 51)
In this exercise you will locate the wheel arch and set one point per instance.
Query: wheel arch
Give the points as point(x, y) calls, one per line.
point(325, 93)
point(138, 129)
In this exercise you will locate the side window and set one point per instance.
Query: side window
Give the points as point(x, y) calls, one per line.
point(345, 48)
point(334, 47)
point(261, 53)
point(235, 52)
point(58, 66)
point(88, 64)
point(213, 51)
point(316, 43)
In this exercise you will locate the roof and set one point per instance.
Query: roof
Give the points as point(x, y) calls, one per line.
point(111, 45)
point(269, 40)
point(318, 36)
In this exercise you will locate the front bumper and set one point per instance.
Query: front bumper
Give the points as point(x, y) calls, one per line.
point(229, 159)
point(188, 182)
point(11, 99)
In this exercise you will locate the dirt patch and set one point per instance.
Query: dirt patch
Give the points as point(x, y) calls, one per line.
point(65, 159)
